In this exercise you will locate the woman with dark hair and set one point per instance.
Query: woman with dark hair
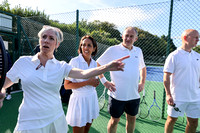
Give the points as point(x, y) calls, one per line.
point(83, 104)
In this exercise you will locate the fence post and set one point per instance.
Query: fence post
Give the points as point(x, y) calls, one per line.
point(169, 30)
point(18, 39)
point(77, 30)
point(168, 50)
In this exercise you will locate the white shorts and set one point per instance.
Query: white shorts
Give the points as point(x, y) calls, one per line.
point(192, 109)
point(58, 126)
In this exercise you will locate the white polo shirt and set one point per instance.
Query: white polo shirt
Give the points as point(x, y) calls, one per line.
point(126, 81)
point(79, 62)
point(41, 103)
point(185, 78)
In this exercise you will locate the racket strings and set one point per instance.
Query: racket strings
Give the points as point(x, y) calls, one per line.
point(101, 99)
point(155, 113)
point(143, 113)
point(101, 102)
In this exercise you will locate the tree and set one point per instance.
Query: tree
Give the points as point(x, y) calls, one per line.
point(24, 12)
point(197, 49)
point(171, 46)
point(153, 47)
point(103, 32)
point(106, 33)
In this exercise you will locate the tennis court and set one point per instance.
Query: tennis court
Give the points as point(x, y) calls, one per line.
point(9, 112)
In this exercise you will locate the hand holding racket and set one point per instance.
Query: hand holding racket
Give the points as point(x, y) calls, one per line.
point(169, 100)
point(155, 111)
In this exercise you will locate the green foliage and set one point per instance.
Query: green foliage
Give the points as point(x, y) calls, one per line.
point(18, 10)
point(103, 32)
point(5, 5)
point(154, 48)
point(104, 37)
point(197, 49)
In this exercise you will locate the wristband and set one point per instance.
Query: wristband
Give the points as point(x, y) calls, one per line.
point(103, 80)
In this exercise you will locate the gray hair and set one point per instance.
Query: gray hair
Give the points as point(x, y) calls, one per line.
point(131, 28)
point(58, 32)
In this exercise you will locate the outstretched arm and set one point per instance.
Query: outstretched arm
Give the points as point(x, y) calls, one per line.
point(116, 65)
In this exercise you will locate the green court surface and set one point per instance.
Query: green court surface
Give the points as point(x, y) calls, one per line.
point(9, 112)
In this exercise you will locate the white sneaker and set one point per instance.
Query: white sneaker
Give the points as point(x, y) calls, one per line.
point(8, 97)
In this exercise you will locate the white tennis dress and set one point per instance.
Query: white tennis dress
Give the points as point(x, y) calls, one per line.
point(41, 104)
point(83, 104)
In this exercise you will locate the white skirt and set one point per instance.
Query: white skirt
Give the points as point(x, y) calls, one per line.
point(83, 108)
point(58, 126)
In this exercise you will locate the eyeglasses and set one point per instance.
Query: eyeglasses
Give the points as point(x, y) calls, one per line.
point(176, 108)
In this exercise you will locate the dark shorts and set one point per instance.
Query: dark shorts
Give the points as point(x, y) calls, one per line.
point(116, 108)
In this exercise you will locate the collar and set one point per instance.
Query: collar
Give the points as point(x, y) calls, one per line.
point(184, 52)
point(35, 59)
point(82, 59)
point(124, 48)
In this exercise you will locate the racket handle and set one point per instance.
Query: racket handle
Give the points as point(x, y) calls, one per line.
point(154, 94)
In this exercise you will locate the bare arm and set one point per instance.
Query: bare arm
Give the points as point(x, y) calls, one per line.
point(7, 84)
point(143, 74)
point(74, 85)
point(116, 65)
point(166, 81)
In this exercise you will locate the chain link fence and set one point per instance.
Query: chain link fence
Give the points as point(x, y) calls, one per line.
point(159, 32)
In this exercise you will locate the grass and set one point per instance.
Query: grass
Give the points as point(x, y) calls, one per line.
point(9, 112)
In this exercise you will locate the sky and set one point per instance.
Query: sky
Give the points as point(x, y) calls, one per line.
point(62, 6)
point(153, 18)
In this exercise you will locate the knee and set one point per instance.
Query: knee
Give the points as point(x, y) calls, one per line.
point(192, 123)
point(131, 119)
point(114, 121)
point(171, 120)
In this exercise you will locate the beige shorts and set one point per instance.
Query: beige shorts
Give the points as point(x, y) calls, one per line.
point(58, 126)
point(191, 109)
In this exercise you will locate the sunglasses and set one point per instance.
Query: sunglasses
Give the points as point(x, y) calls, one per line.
point(176, 108)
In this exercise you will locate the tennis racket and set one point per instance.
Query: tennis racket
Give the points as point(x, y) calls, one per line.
point(155, 112)
point(3, 63)
point(102, 99)
point(143, 108)
point(138, 114)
